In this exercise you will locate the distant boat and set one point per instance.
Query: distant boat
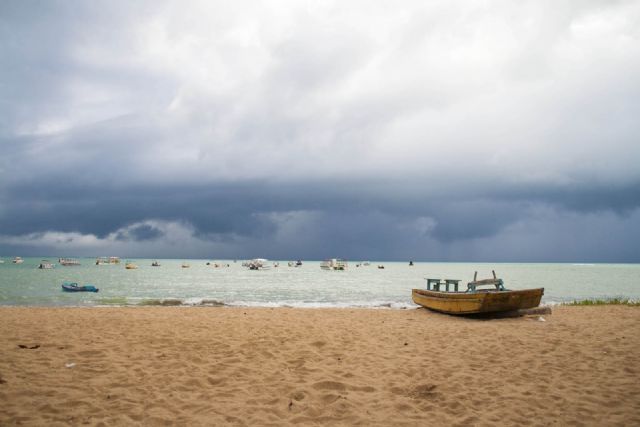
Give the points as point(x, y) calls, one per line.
point(410, 263)
point(17, 260)
point(155, 264)
point(130, 266)
point(381, 267)
point(45, 265)
point(73, 287)
point(257, 264)
point(474, 300)
point(366, 263)
point(1, 261)
point(112, 260)
point(334, 264)
point(185, 265)
point(68, 262)
point(216, 264)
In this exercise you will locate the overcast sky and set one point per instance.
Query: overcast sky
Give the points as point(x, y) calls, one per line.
point(435, 131)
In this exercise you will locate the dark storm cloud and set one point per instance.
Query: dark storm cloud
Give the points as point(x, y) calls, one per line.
point(232, 208)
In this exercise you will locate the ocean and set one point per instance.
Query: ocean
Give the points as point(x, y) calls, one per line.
point(305, 286)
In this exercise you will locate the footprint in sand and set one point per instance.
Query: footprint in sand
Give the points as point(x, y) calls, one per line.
point(330, 385)
point(299, 395)
point(424, 391)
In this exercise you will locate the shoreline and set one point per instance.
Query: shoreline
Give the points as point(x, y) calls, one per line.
point(319, 366)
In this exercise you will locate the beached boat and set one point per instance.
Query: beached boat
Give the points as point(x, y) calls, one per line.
point(45, 265)
point(17, 260)
point(475, 299)
point(130, 266)
point(73, 287)
point(333, 264)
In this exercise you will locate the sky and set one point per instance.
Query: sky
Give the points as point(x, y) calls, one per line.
point(466, 131)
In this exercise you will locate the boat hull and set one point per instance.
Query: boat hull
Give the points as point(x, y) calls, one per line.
point(477, 302)
point(76, 288)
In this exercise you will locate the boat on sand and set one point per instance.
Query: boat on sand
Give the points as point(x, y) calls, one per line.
point(444, 296)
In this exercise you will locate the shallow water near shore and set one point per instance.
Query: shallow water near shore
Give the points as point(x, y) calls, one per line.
point(305, 286)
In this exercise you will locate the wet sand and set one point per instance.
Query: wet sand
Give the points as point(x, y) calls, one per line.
point(259, 366)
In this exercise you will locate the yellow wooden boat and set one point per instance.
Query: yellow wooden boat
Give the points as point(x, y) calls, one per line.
point(475, 299)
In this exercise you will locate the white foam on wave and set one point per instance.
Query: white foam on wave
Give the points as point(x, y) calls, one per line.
point(317, 304)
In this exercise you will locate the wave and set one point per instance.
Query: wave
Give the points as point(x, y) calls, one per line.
point(204, 302)
point(172, 302)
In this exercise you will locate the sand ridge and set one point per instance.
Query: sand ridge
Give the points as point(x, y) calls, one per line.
point(261, 366)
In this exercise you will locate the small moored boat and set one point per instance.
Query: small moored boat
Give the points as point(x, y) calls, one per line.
point(74, 287)
point(17, 260)
point(107, 260)
point(334, 264)
point(257, 264)
point(130, 266)
point(475, 299)
point(45, 265)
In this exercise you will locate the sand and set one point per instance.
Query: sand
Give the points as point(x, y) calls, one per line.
point(259, 366)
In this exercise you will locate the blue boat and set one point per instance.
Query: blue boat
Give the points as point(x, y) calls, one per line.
point(73, 287)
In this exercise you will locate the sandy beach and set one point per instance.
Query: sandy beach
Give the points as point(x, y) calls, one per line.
point(260, 366)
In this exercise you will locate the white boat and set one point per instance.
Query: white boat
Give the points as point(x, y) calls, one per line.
point(185, 265)
point(112, 260)
point(17, 260)
point(130, 266)
point(45, 265)
point(68, 262)
point(334, 264)
point(258, 264)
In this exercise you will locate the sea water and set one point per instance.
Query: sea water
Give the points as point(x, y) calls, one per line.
point(304, 286)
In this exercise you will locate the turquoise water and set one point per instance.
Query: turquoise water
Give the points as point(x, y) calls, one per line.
point(306, 286)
